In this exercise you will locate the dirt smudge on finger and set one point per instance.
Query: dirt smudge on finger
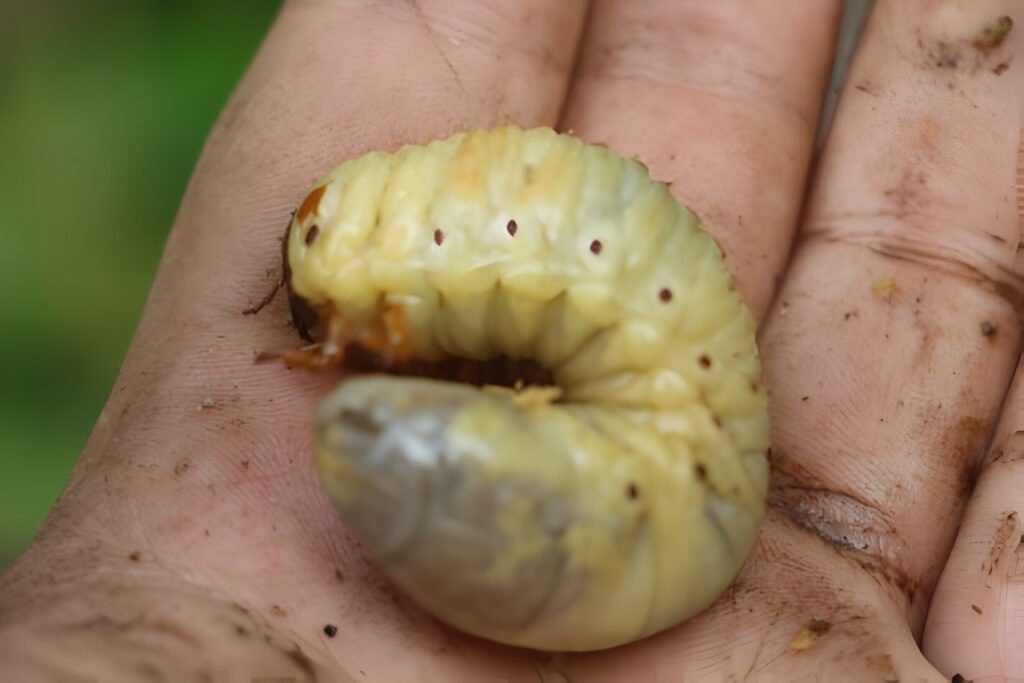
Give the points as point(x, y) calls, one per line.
point(182, 466)
point(1009, 528)
point(993, 35)
point(945, 55)
point(1009, 451)
point(883, 666)
point(971, 53)
point(866, 87)
point(808, 633)
point(962, 447)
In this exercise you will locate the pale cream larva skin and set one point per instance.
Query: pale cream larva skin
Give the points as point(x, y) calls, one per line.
point(622, 508)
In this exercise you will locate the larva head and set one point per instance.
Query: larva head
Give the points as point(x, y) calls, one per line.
point(621, 509)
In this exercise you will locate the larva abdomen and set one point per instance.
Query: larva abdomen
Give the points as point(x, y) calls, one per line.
point(632, 493)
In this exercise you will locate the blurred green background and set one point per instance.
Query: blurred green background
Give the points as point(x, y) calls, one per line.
point(104, 106)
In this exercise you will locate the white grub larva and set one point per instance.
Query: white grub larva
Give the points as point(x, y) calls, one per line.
point(612, 485)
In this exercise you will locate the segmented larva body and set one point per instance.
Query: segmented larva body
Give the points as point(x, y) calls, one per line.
point(614, 505)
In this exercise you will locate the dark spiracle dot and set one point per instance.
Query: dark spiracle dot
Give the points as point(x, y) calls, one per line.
point(700, 472)
point(330, 630)
point(632, 492)
point(438, 237)
point(595, 247)
point(665, 294)
point(705, 361)
point(512, 227)
point(314, 232)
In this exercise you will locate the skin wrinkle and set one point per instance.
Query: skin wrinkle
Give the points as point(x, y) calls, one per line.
point(736, 93)
point(148, 628)
point(939, 259)
point(837, 518)
point(415, 4)
point(475, 25)
point(742, 55)
point(855, 528)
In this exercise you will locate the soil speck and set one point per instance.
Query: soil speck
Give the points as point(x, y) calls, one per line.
point(808, 633)
point(993, 35)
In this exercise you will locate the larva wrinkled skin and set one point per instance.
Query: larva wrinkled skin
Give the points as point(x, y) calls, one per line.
point(577, 518)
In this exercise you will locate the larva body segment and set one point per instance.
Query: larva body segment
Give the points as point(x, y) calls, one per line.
point(572, 519)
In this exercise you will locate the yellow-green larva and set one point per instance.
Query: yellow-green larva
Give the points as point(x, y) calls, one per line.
point(614, 485)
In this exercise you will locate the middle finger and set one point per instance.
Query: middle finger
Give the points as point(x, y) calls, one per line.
point(722, 101)
point(894, 336)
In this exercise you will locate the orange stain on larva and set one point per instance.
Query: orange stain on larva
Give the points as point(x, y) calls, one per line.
point(399, 334)
point(310, 203)
point(390, 337)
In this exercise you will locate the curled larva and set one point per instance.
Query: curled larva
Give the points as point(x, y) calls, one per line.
point(558, 436)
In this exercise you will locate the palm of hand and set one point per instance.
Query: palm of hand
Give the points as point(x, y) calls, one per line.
point(888, 348)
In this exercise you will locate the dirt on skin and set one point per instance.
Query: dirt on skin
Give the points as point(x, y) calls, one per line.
point(808, 633)
point(993, 35)
point(973, 53)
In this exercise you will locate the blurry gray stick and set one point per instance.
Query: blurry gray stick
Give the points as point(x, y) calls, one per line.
point(855, 14)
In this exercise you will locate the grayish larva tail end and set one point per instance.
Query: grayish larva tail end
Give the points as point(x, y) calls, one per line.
point(416, 490)
point(524, 521)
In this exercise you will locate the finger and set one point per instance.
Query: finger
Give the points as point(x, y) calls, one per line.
point(719, 99)
point(892, 341)
point(976, 624)
point(199, 457)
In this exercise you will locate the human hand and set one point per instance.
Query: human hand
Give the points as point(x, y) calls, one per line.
point(193, 538)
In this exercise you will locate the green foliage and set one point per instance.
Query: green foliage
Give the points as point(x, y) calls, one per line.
point(104, 106)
